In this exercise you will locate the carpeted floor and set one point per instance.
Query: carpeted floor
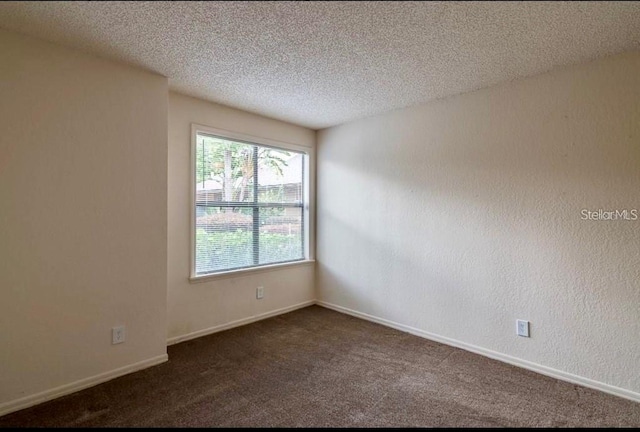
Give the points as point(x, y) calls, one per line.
point(316, 367)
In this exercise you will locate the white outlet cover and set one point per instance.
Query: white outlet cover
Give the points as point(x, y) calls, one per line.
point(259, 292)
point(522, 328)
point(117, 335)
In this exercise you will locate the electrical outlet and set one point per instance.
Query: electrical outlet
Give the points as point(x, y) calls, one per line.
point(259, 292)
point(522, 328)
point(117, 335)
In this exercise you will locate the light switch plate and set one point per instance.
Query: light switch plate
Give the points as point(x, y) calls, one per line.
point(522, 328)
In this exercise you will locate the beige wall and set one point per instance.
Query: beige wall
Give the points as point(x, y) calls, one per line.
point(83, 198)
point(199, 308)
point(460, 216)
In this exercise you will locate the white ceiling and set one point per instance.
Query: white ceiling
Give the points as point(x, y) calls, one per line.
point(319, 64)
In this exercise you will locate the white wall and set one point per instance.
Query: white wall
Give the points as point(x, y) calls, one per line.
point(459, 216)
point(198, 308)
point(83, 198)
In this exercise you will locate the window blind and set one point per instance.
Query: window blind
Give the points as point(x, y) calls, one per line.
point(249, 205)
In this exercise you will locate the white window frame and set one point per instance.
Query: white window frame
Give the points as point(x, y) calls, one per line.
point(308, 210)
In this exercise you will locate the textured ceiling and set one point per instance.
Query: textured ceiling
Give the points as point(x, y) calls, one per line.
point(319, 64)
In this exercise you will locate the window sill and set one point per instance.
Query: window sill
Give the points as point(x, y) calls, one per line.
point(249, 271)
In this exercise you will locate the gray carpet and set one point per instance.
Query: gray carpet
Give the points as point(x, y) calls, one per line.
point(316, 367)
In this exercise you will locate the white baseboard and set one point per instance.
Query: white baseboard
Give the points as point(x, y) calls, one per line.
point(82, 384)
point(544, 370)
point(27, 401)
point(237, 323)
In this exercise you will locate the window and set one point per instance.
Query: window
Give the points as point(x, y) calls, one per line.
point(249, 204)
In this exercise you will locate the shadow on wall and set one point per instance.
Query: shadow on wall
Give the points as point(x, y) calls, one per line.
point(454, 217)
point(377, 290)
point(429, 262)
